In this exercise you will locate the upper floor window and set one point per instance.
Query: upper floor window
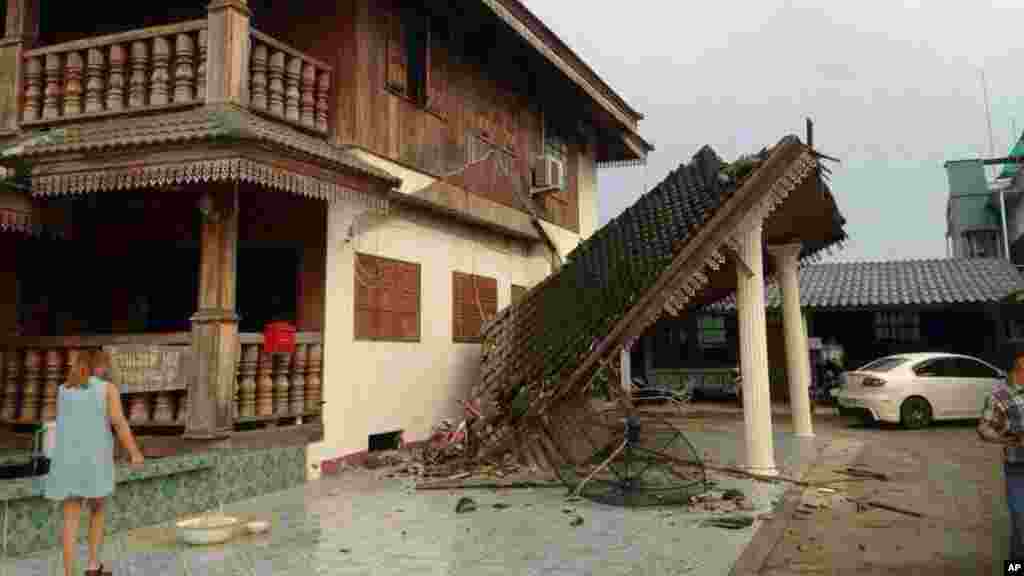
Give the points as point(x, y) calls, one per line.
point(556, 145)
point(417, 59)
point(407, 45)
point(899, 326)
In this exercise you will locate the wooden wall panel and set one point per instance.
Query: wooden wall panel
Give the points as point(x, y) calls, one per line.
point(402, 130)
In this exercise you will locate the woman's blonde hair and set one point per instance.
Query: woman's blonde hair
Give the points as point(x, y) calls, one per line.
point(102, 359)
point(81, 369)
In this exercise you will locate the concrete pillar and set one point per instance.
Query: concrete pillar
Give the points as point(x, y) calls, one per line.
point(757, 410)
point(798, 362)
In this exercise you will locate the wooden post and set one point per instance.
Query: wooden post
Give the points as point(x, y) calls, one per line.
point(20, 31)
point(215, 325)
point(227, 62)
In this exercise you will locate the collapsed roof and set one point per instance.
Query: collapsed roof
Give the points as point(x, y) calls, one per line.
point(670, 251)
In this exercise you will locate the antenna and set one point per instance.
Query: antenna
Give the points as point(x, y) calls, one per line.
point(992, 153)
point(988, 115)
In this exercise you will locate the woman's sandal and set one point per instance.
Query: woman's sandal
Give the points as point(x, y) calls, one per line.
point(101, 571)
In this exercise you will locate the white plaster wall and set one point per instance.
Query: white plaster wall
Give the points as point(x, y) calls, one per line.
point(587, 188)
point(375, 387)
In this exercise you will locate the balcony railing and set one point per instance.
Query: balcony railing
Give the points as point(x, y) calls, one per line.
point(140, 70)
point(271, 390)
point(279, 388)
point(286, 84)
point(165, 67)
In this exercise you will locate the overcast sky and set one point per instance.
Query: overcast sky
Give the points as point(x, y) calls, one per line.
point(894, 92)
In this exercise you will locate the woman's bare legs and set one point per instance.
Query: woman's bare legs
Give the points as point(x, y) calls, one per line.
point(96, 507)
point(72, 512)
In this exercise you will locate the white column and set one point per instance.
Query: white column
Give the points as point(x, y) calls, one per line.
point(757, 410)
point(624, 370)
point(798, 361)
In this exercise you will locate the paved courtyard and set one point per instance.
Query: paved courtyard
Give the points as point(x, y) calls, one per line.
point(360, 523)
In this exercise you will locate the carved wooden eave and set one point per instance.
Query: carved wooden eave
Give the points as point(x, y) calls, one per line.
point(207, 144)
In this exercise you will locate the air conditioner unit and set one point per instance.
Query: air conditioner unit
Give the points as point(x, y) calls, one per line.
point(548, 173)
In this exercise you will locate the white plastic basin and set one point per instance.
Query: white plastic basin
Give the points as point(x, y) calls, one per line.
point(212, 529)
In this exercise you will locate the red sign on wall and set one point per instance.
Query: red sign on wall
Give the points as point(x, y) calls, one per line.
point(279, 338)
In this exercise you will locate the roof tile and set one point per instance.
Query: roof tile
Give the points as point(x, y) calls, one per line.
point(904, 282)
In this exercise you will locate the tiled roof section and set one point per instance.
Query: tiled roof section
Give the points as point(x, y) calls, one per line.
point(206, 123)
point(605, 275)
point(908, 282)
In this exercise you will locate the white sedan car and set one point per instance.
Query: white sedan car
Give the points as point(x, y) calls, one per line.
point(914, 389)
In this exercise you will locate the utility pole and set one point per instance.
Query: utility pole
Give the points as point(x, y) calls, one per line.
point(992, 153)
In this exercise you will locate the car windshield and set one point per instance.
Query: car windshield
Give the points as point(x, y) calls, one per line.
point(883, 364)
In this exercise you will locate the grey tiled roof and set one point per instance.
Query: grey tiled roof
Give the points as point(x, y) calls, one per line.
point(915, 282)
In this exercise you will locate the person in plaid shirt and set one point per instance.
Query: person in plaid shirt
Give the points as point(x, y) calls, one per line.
point(1002, 422)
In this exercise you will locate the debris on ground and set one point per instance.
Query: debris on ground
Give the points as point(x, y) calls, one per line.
point(729, 522)
point(465, 504)
point(732, 494)
point(864, 473)
point(500, 506)
point(577, 521)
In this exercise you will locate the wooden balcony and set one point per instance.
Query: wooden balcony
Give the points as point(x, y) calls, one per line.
point(271, 391)
point(166, 68)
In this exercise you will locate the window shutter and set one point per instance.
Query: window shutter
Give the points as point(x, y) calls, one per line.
point(487, 290)
point(365, 314)
point(459, 292)
point(437, 79)
point(397, 54)
point(386, 300)
point(407, 301)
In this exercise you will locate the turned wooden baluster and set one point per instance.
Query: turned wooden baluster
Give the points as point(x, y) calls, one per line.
point(275, 74)
point(138, 411)
point(323, 86)
point(308, 97)
point(247, 380)
point(137, 83)
point(10, 406)
point(258, 89)
point(160, 79)
point(73, 84)
point(201, 67)
point(298, 389)
point(183, 407)
point(33, 88)
point(94, 81)
point(115, 87)
point(163, 408)
point(31, 396)
point(184, 71)
point(51, 99)
point(54, 371)
point(314, 385)
point(264, 385)
point(292, 77)
point(69, 361)
point(282, 362)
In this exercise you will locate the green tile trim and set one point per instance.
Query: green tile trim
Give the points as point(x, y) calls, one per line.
point(23, 488)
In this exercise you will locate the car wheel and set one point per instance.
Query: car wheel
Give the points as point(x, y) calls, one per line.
point(915, 413)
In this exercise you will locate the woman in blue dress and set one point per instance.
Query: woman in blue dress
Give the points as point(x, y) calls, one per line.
point(82, 463)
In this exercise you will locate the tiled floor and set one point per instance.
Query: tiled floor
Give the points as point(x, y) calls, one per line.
point(361, 524)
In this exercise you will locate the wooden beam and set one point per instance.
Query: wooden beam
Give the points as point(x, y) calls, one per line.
point(215, 325)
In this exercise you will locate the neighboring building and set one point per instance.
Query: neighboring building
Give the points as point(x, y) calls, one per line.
point(383, 175)
point(870, 309)
point(974, 227)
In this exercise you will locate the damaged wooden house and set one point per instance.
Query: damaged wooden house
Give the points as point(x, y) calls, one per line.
point(293, 219)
